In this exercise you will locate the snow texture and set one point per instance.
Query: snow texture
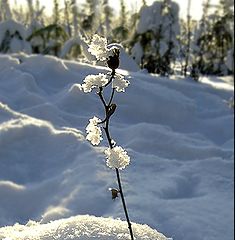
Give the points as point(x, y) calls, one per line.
point(117, 157)
point(178, 133)
point(80, 227)
point(94, 81)
point(94, 132)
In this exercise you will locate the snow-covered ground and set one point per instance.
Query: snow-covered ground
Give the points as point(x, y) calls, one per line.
point(82, 227)
point(179, 135)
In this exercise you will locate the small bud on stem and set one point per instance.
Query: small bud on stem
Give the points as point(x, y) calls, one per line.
point(114, 193)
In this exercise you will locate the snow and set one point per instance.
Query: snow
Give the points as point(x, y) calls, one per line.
point(80, 227)
point(137, 52)
point(178, 133)
point(14, 34)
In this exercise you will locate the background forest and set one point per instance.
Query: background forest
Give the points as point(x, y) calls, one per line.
point(175, 120)
point(155, 36)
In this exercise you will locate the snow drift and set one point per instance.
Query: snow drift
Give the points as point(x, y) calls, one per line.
point(179, 135)
point(79, 227)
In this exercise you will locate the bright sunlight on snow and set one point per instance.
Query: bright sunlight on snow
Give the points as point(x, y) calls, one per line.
point(178, 133)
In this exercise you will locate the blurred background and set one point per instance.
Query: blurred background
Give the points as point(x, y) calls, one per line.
point(186, 37)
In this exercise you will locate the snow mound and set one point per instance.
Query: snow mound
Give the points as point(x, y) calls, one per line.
point(178, 133)
point(79, 227)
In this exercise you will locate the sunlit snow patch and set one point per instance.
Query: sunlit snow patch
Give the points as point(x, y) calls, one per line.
point(80, 227)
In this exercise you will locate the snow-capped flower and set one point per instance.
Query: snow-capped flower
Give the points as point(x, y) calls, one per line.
point(92, 81)
point(117, 157)
point(94, 133)
point(119, 83)
point(98, 47)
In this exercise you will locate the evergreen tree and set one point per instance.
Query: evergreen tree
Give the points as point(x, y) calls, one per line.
point(30, 11)
point(156, 36)
point(213, 40)
point(107, 18)
point(89, 22)
point(5, 13)
point(67, 7)
point(75, 18)
point(120, 33)
point(188, 38)
point(55, 11)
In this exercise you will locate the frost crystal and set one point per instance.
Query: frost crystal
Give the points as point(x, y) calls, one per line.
point(98, 47)
point(92, 81)
point(117, 157)
point(94, 133)
point(120, 83)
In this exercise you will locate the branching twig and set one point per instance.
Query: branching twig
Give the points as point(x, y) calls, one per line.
point(111, 145)
point(117, 157)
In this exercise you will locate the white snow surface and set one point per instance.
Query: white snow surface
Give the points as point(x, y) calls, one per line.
point(178, 133)
point(79, 227)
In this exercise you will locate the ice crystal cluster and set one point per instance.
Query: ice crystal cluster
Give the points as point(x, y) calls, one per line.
point(94, 81)
point(101, 80)
point(116, 156)
point(98, 48)
point(119, 83)
point(94, 133)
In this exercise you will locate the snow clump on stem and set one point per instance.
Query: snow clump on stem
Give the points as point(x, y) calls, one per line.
point(98, 47)
point(92, 81)
point(117, 157)
point(94, 133)
point(119, 83)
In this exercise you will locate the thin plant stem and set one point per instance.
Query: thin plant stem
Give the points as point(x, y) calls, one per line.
point(100, 94)
point(124, 203)
point(111, 145)
point(111, 98)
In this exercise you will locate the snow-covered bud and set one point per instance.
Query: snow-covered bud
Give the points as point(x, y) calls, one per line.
point(115, 192)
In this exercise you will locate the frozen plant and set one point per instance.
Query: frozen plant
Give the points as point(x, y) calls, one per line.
point(116, 156)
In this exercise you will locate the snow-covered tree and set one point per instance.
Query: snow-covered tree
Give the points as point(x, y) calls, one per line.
point(213, 40)
point(5, 13)
point(121, 31)
point(107, 18)
point(49, 39)
point(13, 38)
point(75, 18)
point(156, 36)
point(67, 16)
point(188, 38)
point(90, 21)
